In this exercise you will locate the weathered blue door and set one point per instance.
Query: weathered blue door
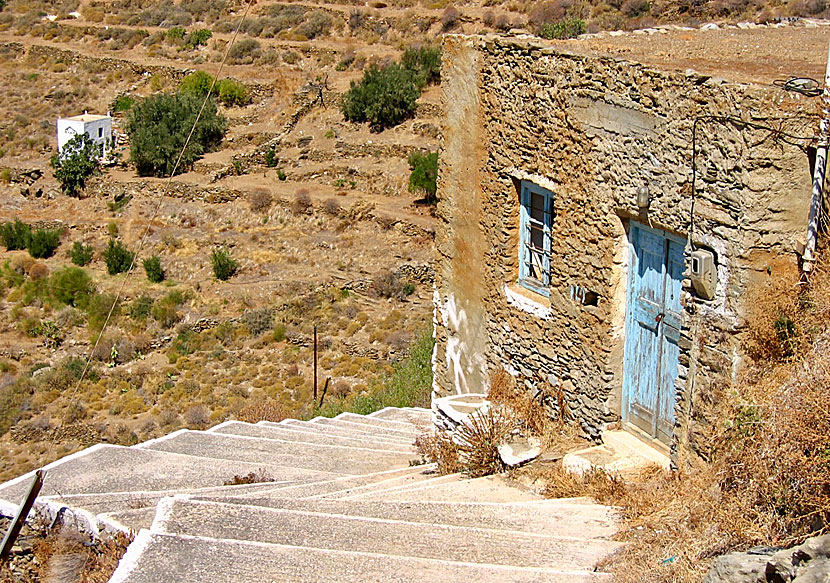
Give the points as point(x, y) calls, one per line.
point(652, 331)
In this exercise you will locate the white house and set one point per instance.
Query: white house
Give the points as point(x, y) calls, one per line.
point(97, 127)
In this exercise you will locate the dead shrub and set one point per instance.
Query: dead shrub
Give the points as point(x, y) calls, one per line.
point(168, 419)
point(260, 199)
point(772, 320)
point(262, 411)
point(259, 476)
point(38, 271)
point(340, 389)
point(197, 416)
point(439, 448)
point(389, 285)
point(331, 206)
point(75, 411)
point(385, 222)
point(301, 204)
point(450, 18)
point(478, 439)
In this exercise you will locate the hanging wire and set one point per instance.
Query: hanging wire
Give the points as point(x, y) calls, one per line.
point(145, 234)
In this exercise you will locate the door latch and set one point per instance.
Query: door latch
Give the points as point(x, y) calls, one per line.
point(659, 317)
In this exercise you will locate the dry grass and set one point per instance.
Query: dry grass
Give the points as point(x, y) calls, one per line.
point(440, 449)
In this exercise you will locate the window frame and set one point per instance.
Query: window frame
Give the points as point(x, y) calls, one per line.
point(527, 189)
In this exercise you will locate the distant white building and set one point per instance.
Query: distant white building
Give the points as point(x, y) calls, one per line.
point(97, 127)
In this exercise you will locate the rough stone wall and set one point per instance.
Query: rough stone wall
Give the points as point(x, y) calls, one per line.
point(594, 131)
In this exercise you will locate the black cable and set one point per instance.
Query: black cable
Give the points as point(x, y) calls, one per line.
point(804, 85)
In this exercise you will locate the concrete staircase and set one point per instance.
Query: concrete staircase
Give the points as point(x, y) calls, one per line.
point(345, 506)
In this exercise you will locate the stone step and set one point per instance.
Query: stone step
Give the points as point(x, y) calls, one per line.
point(165, 558)
point(107, 502)
point(487, 489)
point(359, 432)
point(415, 415)
point(113, 468)
point(328, 458)
point(340, 485)
point(130, 520)
point(372, 535)
point(542, 517)
point(402, 426)
point(254, 430)
point(391, 487)
point(367, 428)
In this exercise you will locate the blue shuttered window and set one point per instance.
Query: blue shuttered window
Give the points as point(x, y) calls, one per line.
point(535, 238)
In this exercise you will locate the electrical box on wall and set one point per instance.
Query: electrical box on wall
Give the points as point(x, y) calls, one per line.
point(704, 273)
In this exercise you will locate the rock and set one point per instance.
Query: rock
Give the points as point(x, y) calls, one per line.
point(737, 568)
point(806, 563)
point(520, 451)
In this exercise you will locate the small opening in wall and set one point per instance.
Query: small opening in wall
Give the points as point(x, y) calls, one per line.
point(583, 296)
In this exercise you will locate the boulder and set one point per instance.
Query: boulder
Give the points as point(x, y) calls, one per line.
point(805, 563)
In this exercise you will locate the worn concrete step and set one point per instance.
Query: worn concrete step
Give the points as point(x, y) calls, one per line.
point(415, 415)
point(255, 430)
point(328, 458)
point(402, 426)
point(341, 485)
point(112, 468)
point(130, 520)
point(358, 433)
point(542, 517)
point(378, 490)
point(373, 535)
point(366, 428)
point(165, 558)
point(106, 502)
point(489, 489)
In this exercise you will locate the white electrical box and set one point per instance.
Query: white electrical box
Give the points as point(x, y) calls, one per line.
point(704, 273)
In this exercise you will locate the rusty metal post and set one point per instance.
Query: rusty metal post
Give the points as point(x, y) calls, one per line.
point(818, 174)
point(22, 513)
point(315, 363)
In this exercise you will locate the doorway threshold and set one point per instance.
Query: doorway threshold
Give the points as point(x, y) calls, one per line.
point(620, 453)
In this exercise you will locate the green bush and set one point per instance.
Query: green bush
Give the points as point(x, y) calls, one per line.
point(117, 257)
point(384, 97)
point(43, 242)
point(98, 309)
point(76, 162)
point(81, 254)
point(425, 62)
point(71, 286)
point(152, 266)
point(176, 33)
point(15, 235)
point(141, 307)
point(232, 93)
point(198, 37)
point(224, 266)
point(563, 29)
point(158, 128)
point(122, 103)
point(270, 157)
point(196, 83)
point(424, 174)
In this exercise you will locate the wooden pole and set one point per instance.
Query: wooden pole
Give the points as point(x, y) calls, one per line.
point(818, 174)
point(22, 513)
point(315, 363)
point(325, 388)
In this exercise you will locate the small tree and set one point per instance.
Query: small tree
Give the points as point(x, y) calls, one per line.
point(424, 174)
point(152, 267)
point(75, 163)
point(224, 266)
point(81, 254)
point(117, 257)
point(71, 286)
point(158, 128)
point(384, 97)
point(43, 242)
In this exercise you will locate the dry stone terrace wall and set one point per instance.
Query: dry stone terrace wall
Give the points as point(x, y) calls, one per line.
point(594, 131)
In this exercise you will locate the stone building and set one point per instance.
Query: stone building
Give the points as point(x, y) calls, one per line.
point(570, 216)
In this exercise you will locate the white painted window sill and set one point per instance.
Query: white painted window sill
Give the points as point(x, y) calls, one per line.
point(527, 301)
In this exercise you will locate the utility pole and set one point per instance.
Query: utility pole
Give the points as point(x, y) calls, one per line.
point(809, 258)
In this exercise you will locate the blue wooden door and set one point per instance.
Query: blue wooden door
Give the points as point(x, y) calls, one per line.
point(653, 317)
